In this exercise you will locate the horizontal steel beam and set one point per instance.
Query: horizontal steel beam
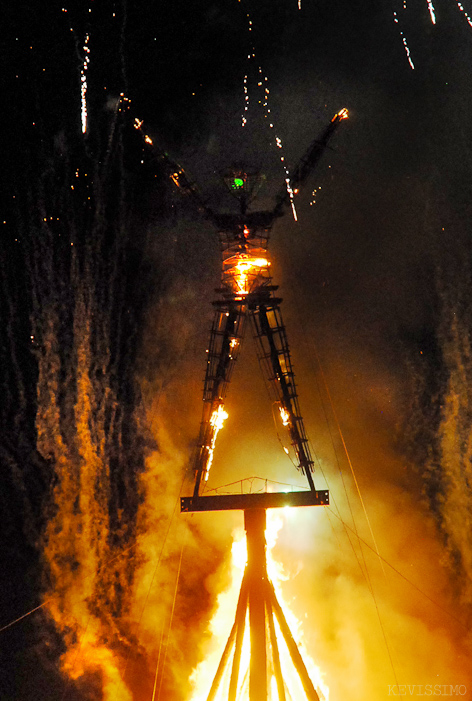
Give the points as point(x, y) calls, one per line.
point(266, 500)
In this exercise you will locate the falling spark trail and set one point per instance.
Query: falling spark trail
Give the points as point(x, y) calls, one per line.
point(431, 11)
point(83, 84)
point(407, 50)
point(291, 193)
point(251, 54)
point(461, 8)
point(265, 103)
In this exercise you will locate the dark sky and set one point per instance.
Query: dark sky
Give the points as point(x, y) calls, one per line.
point(374, 271)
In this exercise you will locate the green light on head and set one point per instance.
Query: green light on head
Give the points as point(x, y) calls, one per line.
point(238, 183)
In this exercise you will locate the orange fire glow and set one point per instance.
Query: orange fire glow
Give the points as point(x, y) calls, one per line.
point(244, 269)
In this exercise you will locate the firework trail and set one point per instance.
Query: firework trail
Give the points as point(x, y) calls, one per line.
point(433, 18)
point(466, 15)
point(403, 38)
point(448, 471)
point(83, 86)
point(84, 428)
point(432, 13)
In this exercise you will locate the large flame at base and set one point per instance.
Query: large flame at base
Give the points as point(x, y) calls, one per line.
point(222, 620)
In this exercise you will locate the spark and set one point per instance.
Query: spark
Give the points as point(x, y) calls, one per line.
point(246, 100)
point(313, 194)
point(233, 345)
point(291, 195)
point(342, 114)
point(83, 86)
point(431, 11)
point(138, 123)
point(123, 103)
point(461, 8)
point(291, 192)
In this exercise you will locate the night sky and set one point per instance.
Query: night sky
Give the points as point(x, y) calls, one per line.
point(376, 278)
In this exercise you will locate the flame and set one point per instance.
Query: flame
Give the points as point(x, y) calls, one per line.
point(342, 114)
point(217, 420)
point(277, 574)
point(285, 416)
point(243, 269)
point(223, 618)
point(233, 344)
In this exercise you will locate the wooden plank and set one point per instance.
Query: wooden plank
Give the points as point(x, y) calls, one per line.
point(266, 500)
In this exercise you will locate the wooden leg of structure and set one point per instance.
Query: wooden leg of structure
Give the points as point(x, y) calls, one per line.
point(240, 622)
point(275, 648)
point(222, 665)
point(256, 572)
point(240, 614)
point(293, 648)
